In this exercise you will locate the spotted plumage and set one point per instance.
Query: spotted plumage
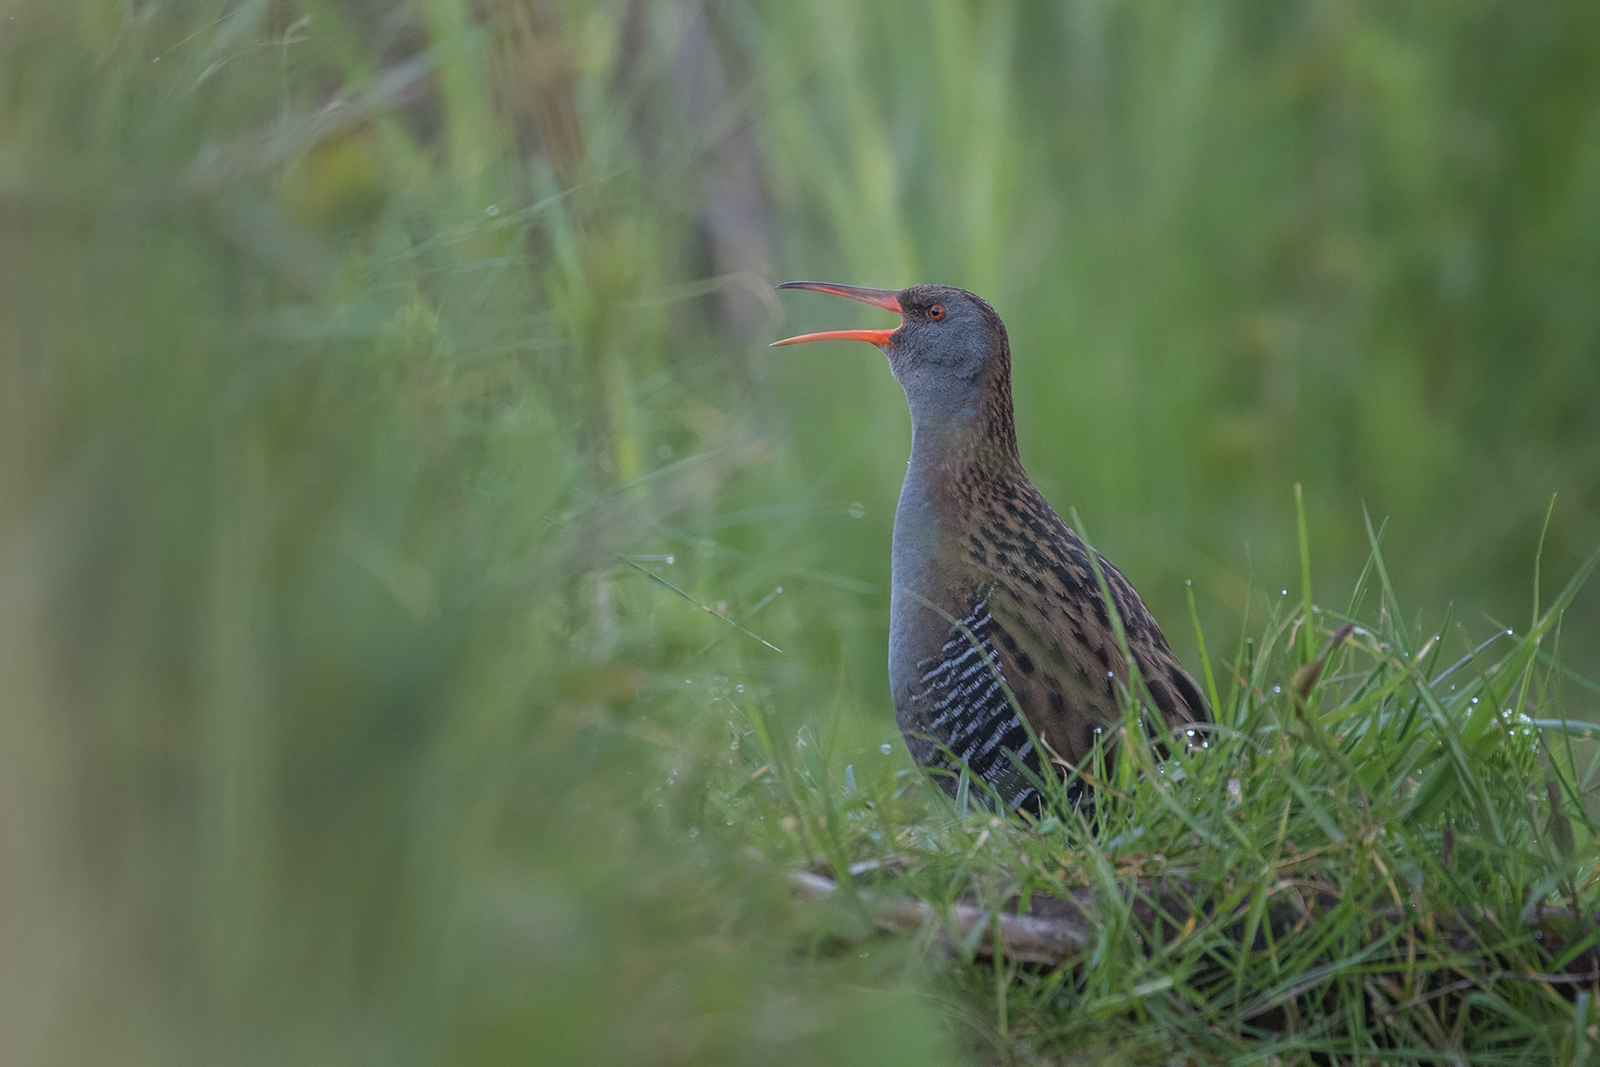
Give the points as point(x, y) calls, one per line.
point(996, 607)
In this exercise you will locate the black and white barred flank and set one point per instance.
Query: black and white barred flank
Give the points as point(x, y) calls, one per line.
point(971, 711)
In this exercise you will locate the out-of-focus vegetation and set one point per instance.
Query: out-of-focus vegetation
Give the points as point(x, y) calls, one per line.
point(393, 477)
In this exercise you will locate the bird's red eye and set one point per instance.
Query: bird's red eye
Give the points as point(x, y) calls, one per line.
point(936, 312)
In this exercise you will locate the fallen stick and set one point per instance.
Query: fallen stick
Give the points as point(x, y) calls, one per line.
point(1056, 930)
point(1029, 938)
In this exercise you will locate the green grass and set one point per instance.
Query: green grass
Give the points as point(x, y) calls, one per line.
point(1401, 815)
point(395, 499)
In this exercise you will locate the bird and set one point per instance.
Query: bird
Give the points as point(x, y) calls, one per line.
point(1000, 639)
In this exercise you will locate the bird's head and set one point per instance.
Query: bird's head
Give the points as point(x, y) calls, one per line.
point(948, 351)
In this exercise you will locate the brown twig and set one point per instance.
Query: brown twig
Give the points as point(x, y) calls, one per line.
point(1056, 930)
point(1026, 938)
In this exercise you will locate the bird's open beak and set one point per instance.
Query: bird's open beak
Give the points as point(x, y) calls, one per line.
point(884, 298)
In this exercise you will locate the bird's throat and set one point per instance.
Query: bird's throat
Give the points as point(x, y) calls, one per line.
point(962, 441)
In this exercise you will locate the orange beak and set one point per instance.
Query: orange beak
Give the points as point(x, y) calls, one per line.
point(884, 298)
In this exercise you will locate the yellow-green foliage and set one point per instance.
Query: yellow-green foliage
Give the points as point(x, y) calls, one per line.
point(400, 514)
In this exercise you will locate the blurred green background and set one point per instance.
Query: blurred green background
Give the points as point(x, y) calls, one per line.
point(385, 411)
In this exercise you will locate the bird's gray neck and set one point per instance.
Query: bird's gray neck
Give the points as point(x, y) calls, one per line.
point(948, 457)
point(920, 528)
point(922, 516)
point(967, 413)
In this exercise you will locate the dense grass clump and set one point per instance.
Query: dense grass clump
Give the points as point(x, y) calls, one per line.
point(1380, 851)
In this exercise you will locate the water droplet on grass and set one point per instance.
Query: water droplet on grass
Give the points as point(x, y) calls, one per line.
point(885, 748)
point(857, 510)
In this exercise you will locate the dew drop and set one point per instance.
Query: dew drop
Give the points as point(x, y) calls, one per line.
point(671, 560)
point(885, 748)
point(694, 831)
point(857, 510)
point(493, 210)
point(1286, 592)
